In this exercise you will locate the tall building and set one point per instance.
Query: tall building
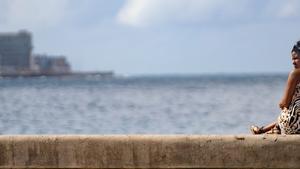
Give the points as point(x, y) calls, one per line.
point(15, 52)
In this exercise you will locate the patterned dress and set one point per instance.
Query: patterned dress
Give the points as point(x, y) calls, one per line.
point(289, 119)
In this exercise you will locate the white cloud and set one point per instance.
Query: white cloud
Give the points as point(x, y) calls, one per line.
point(32, 14)
point(290, 8)
point(151, 12)
point(144, 12)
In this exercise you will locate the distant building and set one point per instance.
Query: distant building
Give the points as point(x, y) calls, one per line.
point(16, 59)
point(15, 52)
point(46, 64)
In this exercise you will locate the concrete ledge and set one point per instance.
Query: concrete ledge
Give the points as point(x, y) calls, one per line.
point(149, 151)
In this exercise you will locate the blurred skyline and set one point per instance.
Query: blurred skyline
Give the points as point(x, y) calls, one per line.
point(161, 36)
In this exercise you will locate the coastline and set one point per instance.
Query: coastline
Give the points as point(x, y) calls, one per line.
point(102, 74)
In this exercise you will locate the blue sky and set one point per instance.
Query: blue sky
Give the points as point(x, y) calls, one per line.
point(161, 36)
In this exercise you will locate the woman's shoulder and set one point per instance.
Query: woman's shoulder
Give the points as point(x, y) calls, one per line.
point(295, 73)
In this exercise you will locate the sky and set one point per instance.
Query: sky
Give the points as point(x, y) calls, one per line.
point(133, 37)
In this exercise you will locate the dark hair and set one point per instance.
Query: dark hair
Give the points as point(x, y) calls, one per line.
point(296, 47)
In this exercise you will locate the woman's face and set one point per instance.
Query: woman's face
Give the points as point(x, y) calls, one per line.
point(296, 59)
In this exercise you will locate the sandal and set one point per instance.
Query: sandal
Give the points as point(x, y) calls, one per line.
point(256, 130)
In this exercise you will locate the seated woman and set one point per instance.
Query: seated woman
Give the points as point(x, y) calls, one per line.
point(288, 121)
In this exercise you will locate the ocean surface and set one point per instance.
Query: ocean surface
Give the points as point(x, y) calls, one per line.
point(198, 104)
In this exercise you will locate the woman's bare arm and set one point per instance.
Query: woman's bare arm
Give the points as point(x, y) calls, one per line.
point(290, 87)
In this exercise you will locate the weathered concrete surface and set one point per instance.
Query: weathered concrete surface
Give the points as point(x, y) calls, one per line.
point(149, 151)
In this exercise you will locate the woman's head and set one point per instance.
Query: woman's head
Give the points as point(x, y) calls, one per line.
point(296, 55)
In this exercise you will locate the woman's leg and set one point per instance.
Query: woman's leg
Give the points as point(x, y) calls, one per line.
point(268, 127)
point(260, 130)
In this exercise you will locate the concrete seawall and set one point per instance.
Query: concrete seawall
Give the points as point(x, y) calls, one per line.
point(149, 151)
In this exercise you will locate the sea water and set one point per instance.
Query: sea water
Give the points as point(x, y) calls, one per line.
point(196, 104)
